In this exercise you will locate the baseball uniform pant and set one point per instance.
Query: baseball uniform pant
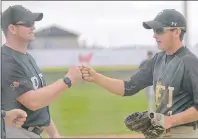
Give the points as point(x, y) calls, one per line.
point(17, 132)
point(182, 132)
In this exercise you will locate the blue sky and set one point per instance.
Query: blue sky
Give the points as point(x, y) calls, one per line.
point(108, 23)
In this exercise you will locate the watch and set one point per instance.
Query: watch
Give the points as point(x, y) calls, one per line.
point(67, 81)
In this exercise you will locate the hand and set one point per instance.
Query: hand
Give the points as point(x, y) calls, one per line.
point(88, 74)
point(162, 120)
point(74, 74)
point(156, 126)
point(15, 117)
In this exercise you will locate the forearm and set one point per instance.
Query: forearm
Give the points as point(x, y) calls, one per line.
point(52, 130)
point(115, 86)
point(36, 99)
point(188, 116)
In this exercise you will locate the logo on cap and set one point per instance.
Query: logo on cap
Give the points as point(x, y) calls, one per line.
point(174, 24)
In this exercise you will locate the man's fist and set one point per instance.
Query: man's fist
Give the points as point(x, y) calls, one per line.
point(88, 74)
point(74, 74)
point(15, 117)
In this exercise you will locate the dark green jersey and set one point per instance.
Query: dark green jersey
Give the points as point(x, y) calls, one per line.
point(175, 81)
point(19, 75)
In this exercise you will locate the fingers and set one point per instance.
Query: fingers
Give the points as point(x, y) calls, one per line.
point(85, 74)
point(20, 117)
point(19, 121)
point(21, 113)
point(84, 71)
point(85, 67)
point(87, 79)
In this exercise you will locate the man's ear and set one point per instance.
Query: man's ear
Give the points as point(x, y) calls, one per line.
point(177, 32)
point(12, 29)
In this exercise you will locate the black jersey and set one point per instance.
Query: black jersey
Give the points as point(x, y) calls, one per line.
point(174, 78)
point(19, 75)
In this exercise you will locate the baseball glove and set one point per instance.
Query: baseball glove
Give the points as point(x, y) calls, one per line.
point(148, 124)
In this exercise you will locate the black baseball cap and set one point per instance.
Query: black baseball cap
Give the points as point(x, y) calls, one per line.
point(17, 13)
point(166, 18)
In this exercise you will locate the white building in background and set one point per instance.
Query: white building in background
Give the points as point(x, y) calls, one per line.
point(55, 37)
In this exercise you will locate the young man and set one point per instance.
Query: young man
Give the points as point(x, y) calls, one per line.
point(23, 85)
point(173, 73)
point(12, 117)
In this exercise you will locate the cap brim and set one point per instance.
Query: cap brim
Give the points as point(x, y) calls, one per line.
point(153, 25)
point(37, 16)
point(33, 17)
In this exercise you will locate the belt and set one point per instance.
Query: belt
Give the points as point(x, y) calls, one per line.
point(37, 130)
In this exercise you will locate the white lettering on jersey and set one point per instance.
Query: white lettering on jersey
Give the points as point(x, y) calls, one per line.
point(41, 77)
point(35, 82)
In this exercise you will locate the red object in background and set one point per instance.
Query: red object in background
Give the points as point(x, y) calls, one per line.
point(85, 58)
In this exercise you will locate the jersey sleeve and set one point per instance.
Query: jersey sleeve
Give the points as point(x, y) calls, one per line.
point(190, 81)
point(141, 79)
point(14, 80)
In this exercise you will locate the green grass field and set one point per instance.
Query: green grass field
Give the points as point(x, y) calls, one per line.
point(87, 109)
point(98, 68)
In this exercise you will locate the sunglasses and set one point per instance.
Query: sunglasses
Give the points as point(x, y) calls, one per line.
point(25, 24)
point(161, 31)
